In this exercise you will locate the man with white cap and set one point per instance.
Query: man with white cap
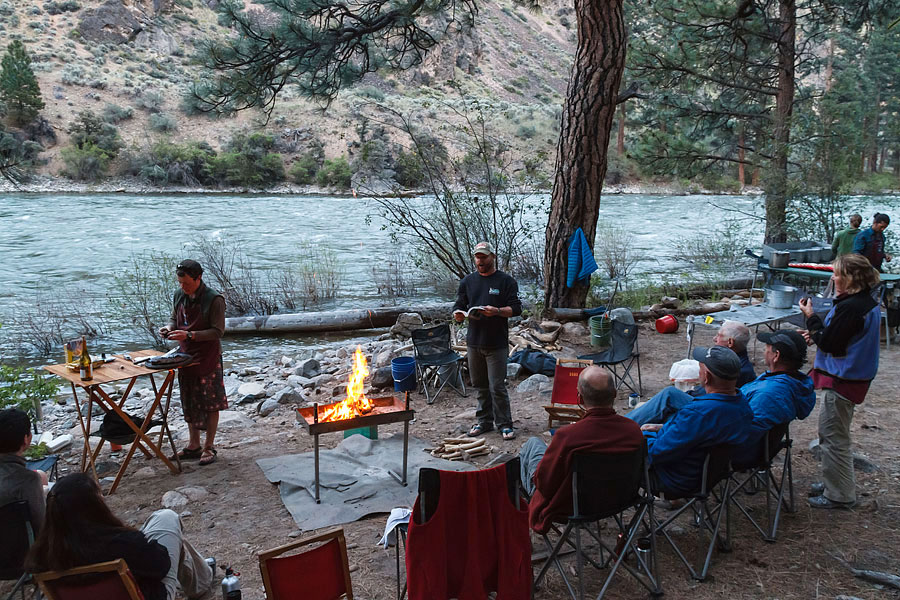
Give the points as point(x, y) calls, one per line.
point(497, 295)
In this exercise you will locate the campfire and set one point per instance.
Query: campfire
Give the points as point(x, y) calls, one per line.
point(356, 404)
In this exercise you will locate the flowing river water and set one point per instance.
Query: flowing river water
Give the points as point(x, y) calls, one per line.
point(50, 244)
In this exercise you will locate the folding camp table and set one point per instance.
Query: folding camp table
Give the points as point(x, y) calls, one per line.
point(122, 370)
point(751, 316)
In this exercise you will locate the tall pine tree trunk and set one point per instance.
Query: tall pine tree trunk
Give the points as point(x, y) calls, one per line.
point(583, 141)
point(777, 189)
point(741, 157)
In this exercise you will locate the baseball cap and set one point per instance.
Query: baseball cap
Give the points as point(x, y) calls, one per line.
point(789, 342)
point(483, 248)
point(721, 362)
point(189, 267)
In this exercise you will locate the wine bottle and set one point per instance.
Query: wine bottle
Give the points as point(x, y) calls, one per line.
point(85, 366)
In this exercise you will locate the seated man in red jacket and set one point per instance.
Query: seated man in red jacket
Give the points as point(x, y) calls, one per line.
point(546, 470)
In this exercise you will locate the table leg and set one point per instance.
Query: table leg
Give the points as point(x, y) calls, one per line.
point(165, 416)
point(316, 451)
point(405, 449)
point(86, 431)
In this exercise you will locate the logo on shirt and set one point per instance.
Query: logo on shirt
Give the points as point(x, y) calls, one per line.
point(494, 291)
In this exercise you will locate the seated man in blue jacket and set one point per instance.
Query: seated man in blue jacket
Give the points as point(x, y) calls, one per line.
point(722, 415)
point(662, 406)
point(779, 395)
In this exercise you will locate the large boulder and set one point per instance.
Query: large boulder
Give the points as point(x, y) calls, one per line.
point(308, 368)
point(535, 383)
point(109, 23)
point(156, 40)
point(382, 378)
point(288, 395)
point(406, 323)
point(250, 391)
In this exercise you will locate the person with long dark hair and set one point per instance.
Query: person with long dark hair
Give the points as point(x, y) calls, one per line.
point(79, 530)
point(846, 363)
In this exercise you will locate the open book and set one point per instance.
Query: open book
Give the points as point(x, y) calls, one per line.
point(473, 312)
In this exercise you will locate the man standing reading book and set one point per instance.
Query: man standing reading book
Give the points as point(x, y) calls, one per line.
point(497, 296)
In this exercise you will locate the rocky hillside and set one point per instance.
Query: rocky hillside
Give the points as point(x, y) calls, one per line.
point(133, 60)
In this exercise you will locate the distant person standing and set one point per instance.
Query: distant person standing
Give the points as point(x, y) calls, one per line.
point(197, 324)
point(870, 241)
point(497, 293)
point(843, 240)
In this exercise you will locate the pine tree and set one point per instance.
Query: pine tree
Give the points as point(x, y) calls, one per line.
point(18, 85)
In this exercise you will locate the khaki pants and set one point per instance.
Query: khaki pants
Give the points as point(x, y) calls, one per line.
point(188, 569)
point(834, 440)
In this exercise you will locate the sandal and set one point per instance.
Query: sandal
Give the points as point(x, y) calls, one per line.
point(187, 454)
point(208, 457)
point(478, 429)
point(508, 433)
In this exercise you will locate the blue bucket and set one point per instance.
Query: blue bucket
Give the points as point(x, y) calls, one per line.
point(403, 370)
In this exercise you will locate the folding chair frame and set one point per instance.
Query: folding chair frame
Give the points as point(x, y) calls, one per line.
point(564, 412)
point(707, 518)
point(26, 578)
point(761, 477)
point(335, 533)
point(646, 570)
point(432, 373)
point(625, 378)
point(118, 566)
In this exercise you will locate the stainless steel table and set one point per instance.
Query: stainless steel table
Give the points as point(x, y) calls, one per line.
point(751, 316)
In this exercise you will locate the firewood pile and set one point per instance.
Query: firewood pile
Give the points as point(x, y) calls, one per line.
point(460, 448)
point(541, 337)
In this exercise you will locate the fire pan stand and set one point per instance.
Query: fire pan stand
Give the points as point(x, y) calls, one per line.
point(387, 410)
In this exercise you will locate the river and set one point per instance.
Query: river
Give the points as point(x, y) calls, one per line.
point(77, 243)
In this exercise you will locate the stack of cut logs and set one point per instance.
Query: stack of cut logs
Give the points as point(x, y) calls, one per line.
point(539, 337)
point(460, 448)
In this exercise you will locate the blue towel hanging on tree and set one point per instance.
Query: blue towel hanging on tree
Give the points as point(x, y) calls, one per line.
point(581, 260)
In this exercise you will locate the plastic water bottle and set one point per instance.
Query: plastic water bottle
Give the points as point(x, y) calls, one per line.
point(231, 585)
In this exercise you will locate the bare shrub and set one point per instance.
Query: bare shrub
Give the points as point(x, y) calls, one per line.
point(142, 293)
point(716, 254)
point(45, 323)
point(616, 251)
point(320, 273)
point(233, 274)
point(392, 279)
point(527, 263)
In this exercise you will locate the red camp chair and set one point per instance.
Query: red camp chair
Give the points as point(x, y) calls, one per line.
point(564, 405)
point(107, 580)
point(319, 573)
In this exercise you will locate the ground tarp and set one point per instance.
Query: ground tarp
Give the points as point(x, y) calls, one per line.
point(353, 479)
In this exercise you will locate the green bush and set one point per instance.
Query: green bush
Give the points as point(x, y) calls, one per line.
point(85, 163)
point(304, 169)
point(113, 113)
point(151, 101)
point(56, 8)
point(166, 163)
point(408, 169)
point(163, 122)
point(18, 155)
point(89, 130)
point(25, 388)
point(335, 172)
point(249, 161)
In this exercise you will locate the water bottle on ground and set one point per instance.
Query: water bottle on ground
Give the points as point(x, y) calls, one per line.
point(231, 585)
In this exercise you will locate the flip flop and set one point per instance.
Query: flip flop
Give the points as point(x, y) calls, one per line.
point(478, 429)
point(508, 433)
point(208, 457)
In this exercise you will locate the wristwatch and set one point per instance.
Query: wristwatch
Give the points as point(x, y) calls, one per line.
point(190, 335)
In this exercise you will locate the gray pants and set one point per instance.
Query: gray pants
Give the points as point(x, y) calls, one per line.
point(487, 368)
point(529, 457)
point(834, 440)
point(188, 569)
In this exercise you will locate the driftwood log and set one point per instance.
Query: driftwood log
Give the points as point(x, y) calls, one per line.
point(336, 320)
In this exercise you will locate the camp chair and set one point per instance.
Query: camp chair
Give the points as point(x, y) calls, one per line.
point(48, 465)
point(606, 485)
point(436, 362)
point(429, 494)
point(107, 580)
point(564, 406)
point(18, 536)
point(624, 353)
point(716, 472)
point(318, 573)
point(760, 476)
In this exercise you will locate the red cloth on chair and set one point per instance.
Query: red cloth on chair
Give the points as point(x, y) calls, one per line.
point(475, 543)
point(313, 574)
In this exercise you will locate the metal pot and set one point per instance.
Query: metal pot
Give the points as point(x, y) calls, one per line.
point(780, 296)
point(779, 259)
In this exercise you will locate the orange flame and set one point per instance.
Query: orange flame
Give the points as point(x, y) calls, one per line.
point(356, 403)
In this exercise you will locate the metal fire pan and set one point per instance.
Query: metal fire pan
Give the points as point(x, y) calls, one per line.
point(387, 410)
